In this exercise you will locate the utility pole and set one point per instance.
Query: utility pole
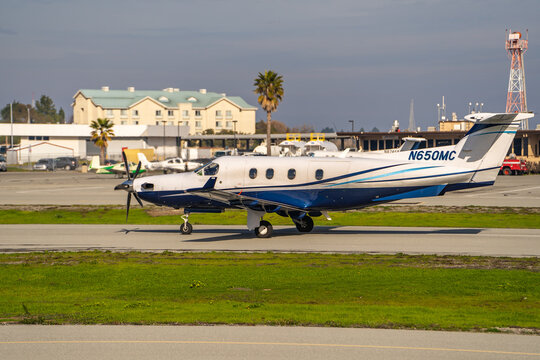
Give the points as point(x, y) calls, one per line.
point(11, 116)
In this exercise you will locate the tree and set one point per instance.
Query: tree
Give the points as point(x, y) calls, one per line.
point(304, 129)
point(375, 129)
point(277, 127)
point(20, 112)
point(61, 116)
point(327, 130)
point(208, 132)
point(269, 87)
point(45, 106)
point(101, 135)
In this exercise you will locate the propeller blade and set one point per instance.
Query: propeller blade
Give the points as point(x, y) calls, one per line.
point(126, 164)
point(127, 206)
point(138, 199)
point(137, 170)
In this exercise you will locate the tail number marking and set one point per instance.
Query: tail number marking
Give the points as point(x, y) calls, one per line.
point(432, 155)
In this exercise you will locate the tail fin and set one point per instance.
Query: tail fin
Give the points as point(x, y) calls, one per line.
point(485, 145)
point(144, 160)
point(94, 164)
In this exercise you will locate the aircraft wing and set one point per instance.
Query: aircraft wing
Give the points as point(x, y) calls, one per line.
point(238, 199)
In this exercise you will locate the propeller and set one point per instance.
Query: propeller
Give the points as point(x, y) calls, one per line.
point(128, 184)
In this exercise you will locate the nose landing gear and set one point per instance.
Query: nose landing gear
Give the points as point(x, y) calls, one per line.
point(186, 228)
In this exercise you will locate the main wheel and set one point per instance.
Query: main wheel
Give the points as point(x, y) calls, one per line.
point(67, 167)
point(305, 224)
point(186, 228)
point(264, 230)
point(507, 171)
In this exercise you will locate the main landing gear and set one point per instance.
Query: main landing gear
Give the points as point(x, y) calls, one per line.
point(304, 224)
point(264, 230)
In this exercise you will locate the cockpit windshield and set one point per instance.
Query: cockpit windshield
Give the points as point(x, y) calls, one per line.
point(209, 169)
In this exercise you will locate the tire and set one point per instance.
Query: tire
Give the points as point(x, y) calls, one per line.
point(67, 167)
point(305, 224)
point(186, 228)
point(264, 230)
point(507, 171)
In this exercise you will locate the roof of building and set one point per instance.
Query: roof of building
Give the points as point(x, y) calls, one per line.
point(124, 99)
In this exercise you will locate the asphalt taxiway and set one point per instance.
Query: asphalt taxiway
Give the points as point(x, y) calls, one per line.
point(345, 239)
point(256, 342)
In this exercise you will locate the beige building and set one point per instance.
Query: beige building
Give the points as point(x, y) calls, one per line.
point(455, 124)
point(200, 110)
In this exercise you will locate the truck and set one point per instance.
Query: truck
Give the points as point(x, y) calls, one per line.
point(513, 167)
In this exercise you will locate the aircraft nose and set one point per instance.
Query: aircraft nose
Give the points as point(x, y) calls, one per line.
point(126, 185)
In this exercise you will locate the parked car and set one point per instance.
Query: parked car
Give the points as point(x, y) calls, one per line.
point(65, 162)
point(3, 164)
point(46, 164)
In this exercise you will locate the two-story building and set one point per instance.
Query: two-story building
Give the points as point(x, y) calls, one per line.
point(200, 110)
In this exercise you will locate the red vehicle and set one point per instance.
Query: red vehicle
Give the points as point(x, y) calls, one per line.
point(513, 167)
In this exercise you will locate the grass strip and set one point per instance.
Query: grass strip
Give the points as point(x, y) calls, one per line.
point(356, 290)
point(111, 215)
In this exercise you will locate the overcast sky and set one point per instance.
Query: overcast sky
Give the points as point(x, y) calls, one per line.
point(340, 60)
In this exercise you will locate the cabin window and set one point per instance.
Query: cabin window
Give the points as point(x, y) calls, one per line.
point(269, 173)
point(319, 174)
point(252, 173)
point(211, 169)
point(291, 174)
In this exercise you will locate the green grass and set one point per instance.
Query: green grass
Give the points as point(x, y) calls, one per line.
point(390, 291)
point(110, 215)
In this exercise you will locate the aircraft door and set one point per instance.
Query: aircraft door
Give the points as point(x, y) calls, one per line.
point(231, 173)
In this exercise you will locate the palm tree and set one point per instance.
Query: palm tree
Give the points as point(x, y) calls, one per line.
point(269, 87)
point(101, 135)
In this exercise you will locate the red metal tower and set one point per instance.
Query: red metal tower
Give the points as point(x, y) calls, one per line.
point(516, 100)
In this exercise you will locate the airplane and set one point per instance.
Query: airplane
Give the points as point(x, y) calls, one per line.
point(118, 169)
point(306, 187)
point(409, 143)
point(168, 165)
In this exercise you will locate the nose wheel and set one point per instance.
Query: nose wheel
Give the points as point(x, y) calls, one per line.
point(186, 228)
point(264, 230)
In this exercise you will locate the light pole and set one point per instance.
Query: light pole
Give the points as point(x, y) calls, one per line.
point(352, 125)
point(234, 132)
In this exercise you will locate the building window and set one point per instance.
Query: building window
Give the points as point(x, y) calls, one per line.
point(123, 113)
point(198, 124)
point(39, 138)
point(228, 124)
point(219, 124)
point(228, 114)
point(269, 173)
point(158, 113)
point(170, 123)
point(219, 115)
point(109, 113)
point(135, 113)
point(319, 174)
point(185, 114)
point(252, 173)
point(31, 138)
point(170, 113)
point(198, 113)
point(291, 174)
point(157, 122)
point(46, 138)
point(123, 122)
point(136, 122)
